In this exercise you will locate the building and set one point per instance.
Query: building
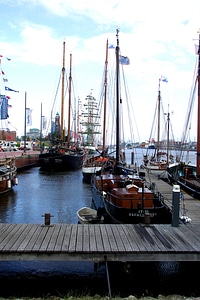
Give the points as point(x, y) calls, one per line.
point(7, 135)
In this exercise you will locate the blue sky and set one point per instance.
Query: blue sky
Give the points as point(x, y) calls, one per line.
point(157, 36)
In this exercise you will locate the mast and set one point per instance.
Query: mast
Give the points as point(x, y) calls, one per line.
point(117, 99)
point(70, 97)
point(158, 134)
point(198, 114)
point(62, 97)
point(25, 123)
point(105, 95)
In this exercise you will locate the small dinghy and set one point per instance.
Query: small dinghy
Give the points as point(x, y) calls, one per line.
point(87, 215)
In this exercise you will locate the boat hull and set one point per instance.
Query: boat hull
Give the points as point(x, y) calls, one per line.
point(157, 171)
point(185, 176)
point(60, 162)
point(87, 173)
point(8, 175)
point(123, 206)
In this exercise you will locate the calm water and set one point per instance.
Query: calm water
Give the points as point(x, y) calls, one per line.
point(61, 194)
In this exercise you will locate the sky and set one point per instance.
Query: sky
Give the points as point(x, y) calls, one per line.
point(159, 38)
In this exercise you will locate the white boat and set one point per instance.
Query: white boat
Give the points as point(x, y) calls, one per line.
point(87, 215)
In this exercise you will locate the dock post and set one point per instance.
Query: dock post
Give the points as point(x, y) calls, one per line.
point(175, 205)
point(47, 217)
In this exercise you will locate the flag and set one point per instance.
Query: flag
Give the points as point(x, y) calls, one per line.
point(111, 46)
point(197, 49)
point(44, 122)
point(164, 79)
point(10, 90)
point(6, 57)
point(3, 107)
point(8, 97)
point(28, 117)
point(9, 106)
point(2, 72)
point(124, 60)
point(5, 79)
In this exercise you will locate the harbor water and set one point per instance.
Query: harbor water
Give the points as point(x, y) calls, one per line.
point(61, 195)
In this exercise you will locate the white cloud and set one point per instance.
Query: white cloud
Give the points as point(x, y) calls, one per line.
point(157, 36)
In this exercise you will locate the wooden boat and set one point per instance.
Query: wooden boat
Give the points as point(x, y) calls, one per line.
point(87, 215)
point(63, 155)
point(157, 156)
point(8, 174)
point(120, 191)
point(182, 172)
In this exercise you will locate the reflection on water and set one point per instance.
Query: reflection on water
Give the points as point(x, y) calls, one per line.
point(39, 279)
point(60, 194)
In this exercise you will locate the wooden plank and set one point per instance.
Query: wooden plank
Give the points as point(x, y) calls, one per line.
point(53, 238)
point(123, 235)
point(33, 239)
point(67, 237)
point(171, 236)
point(79, 239)
point(5, 231)
point(86, 244)
point(14, 234)
point(135, 237)
point(29, 239)
point(25, 231)
point(99, 239)
point(93, 246)
point(106, 243)
point(112, 240)
point(159, 238)
point(72, 241)
point(131, 238)
point(60, 238)
point(191, 238)
point(118, 239)
point(47, 237)
point(40, 237)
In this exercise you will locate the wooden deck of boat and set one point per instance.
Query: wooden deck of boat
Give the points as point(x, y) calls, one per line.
point(95, 242)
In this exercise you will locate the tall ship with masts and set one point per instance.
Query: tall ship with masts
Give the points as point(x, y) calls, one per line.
point(184, 173)
point(64, 154)
point(90, 124)
point(119, 192)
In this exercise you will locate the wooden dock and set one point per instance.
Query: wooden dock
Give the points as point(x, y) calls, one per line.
point(95, 242)
point(191, 205)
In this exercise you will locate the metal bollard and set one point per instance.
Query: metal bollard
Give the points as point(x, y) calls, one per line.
point(175, 205)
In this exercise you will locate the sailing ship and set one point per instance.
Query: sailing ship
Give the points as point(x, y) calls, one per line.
point(63, 155)
point(184, 173)
point(120, 191)
point(90, 124)
point(93, 164)
point(157, 156)
point(8, 174)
